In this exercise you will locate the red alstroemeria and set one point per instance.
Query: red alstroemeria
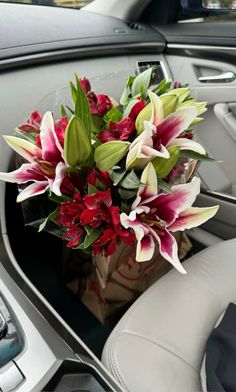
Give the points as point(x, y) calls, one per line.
point(99, 104)
point(121, 130)
point(107, 242)
point(85, 83)
point(99, 210)
point(60, 129)
point(70, 211)
point(33, 124)
point(69, 216)
point(125, 128)
point(102, 176)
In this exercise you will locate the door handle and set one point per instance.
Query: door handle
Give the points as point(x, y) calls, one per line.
point(224, 77)
point(226, 118)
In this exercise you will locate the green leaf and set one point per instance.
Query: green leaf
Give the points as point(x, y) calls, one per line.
point(109, 154)
point(82, 108)
point(162, 87)
point(73, 92)
point(63, 111)
point(125, 208)
point(97, 124)
point(92, 189)
point(113, 115)
point(117, 175)
point(125, 95)
point(92, 237)
point(141, 82)
point(164, 186)
point(50, 217)
point(131, 181)
point(70, 110)
point(88, 229)
point(194, 155)
point(127, 194)
point(77, 146)
point(163, 166)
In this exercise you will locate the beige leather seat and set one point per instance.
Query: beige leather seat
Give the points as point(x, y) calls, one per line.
point(159, 343)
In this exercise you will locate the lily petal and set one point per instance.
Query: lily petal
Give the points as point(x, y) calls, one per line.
point(186, 144)
point(174, 124)
point(169, 206)
point(141, 151)
point(26, 149)
point(168, 248)
point(149, 189)
point(27, 172)
point(145, 243)
point(193, 217)
point(59, 176)
point(157, 108)
point(37, 188)
point(145, 248)
point(52, 151)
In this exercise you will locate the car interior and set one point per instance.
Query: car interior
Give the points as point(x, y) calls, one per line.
point(50, 340)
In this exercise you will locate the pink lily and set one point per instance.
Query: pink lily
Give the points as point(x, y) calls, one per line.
point(160, 133)
point(154, 217)
point(46, 165)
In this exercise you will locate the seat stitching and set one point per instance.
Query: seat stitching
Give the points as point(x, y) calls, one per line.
point(115, 365)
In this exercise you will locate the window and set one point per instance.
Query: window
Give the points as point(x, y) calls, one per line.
point(58, 3)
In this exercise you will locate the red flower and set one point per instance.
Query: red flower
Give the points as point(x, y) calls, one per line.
point(104, 104)
point(60, 129)
point(70, 211)
point(85, 85)
point(99, 209)
point(99, 104)
point(69, 216)
point(124, 129)
point(33, 124)
point(75, 234)
point(102, 176)
point(107, 242)
point(136, 109)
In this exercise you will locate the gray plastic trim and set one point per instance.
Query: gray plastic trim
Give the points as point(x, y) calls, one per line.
point(201, 47)
point(91, 51)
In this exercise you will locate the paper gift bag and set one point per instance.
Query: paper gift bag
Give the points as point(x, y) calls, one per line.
point(116, 281)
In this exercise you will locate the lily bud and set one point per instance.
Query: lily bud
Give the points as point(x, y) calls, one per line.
point(164, 166)
point(144, 115)
point(200, 106)
point(109, 154)
point(77, 146)
point(169, 102)
point(182, 93)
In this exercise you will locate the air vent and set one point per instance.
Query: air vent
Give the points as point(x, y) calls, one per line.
point(135, 26)
point(159, 71)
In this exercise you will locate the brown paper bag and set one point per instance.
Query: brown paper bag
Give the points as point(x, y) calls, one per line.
point(116, 281)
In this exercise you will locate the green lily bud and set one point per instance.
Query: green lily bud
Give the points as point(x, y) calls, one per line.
point(109, 154)
point(164, 166)
point(182, 93)
point(77, 146)
point(169, 102)
point(196, 121)
point(201, 106)
point(145, 114)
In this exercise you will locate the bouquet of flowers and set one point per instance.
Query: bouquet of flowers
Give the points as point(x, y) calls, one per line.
point(117, 172)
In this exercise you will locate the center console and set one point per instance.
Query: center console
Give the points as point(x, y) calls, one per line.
point(33, 357)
